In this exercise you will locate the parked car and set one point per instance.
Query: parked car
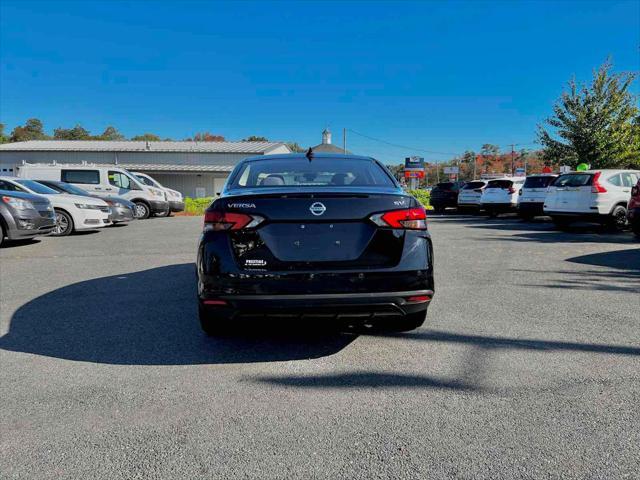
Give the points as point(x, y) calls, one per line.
point(599, 196)
point(469, 196)
point(633, 209)
point(104, 181)
point(122, 210)
point(174, 197)
point(501, 195)
point(532, 195)
point(72, 212)
point(24, 216)
point(334, 238)
point(445, 195)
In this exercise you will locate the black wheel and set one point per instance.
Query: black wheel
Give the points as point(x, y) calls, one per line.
point(64, 224)
point(618, 219)
point(213, 322)
point(141, 210)
point(408, 322)
point(163, 214)
point(1, 234)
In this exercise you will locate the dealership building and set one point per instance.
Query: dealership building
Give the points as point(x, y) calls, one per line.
point(196, 169)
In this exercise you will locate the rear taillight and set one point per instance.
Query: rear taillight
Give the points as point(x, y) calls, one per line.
point(410, 219)
point(216, 221)
point(511, 190)
point(596, 186)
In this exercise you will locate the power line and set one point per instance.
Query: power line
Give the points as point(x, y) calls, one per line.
point(400, 146)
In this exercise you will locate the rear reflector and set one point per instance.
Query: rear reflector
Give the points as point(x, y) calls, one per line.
point(217, 220)
point(410, 218)
point(419, 299)
point(215, 302)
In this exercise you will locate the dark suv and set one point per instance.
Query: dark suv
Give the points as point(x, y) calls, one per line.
point(445, 195)
point(24, 216)
point(633, 209)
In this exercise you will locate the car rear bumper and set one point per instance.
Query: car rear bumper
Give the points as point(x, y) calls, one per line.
point(499, 207)
point(531, 208)
point(340, 306)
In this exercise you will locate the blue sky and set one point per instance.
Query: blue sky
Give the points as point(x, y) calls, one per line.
point(439, 76)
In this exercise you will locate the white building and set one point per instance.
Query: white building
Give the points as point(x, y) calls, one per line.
point(192, 168)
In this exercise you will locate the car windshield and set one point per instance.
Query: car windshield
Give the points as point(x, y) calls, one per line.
point(573, 180)
point(320, 172)
point(538, 182)
point(37, 187)
point(147, 181)
point(500, 184)
point(473, 185)
point(68, 188)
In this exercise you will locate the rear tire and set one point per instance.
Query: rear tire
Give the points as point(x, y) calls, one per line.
point(618, 219)
point(163, 214)
point(141, 211)
point(64, 224)
point(1, 234)
point(213, 323)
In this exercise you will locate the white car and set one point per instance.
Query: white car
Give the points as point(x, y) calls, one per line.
point(501, 195)
point(533, 194)
point(469, 196)
point(595, 195)
point(73, 212)
point(104, 181)
point(174, 197)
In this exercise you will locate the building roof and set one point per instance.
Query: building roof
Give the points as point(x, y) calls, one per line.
point(158, 167)
point(130, 146)
point(327, 148)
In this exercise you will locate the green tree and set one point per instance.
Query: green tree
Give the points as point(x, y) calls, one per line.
point(207, 137)
point(32, 130)
point(3, 137)
point(489, 154)
point(254, 138)
point(595, 124)
point(294, 147)
point(468, 166)
point(75, 133)
point(110, 133)
point(146, 137)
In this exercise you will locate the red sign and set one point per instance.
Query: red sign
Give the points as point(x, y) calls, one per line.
point(547, 169)
point(413, 174)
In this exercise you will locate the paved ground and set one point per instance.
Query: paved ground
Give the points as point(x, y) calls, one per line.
point(529, 366)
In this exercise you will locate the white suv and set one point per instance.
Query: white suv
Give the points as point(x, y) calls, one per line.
point(501, 195)
point(594, 195)
point(73, 212)
point(469, 196)
point(533, 194)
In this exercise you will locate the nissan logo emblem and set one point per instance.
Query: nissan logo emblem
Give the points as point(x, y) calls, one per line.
point(317, 209)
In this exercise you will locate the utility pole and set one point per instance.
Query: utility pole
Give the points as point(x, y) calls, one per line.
point(344, 140)
point(512, 158)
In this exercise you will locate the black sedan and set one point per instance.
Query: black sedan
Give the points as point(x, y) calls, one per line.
point(317, 236)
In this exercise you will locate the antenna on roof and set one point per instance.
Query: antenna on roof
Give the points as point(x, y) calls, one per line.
point(309, 154)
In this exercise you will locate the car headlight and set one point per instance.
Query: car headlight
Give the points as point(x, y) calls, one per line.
point(86, 206)
point(156, 192)
point(18, 203)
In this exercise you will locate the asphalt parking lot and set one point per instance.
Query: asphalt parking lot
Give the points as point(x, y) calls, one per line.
point(528, 366)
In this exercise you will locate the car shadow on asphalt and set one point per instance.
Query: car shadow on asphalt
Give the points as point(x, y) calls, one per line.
point(7, 244)
point(150, 318)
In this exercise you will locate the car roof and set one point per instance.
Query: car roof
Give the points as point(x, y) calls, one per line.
point(24, 195)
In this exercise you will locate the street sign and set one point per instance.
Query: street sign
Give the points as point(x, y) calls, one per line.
point(413, 174)
point(451, 170)
point(565, 169)
point(520, 172)
point(414, 163)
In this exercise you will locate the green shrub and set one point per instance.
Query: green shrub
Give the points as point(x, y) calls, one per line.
point(196, 206)
point(422, 196)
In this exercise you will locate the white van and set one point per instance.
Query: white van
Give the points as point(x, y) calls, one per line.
point(594, 195)
point(102, 180)
point(72, 212)
point(533, 194)
point(501, 195)
point(174, 197)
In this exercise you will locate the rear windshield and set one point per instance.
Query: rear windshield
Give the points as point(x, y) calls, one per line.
point(320, 172)
point(573, 180)
point(474, 185)
point(500, 184)
point(538, 182)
